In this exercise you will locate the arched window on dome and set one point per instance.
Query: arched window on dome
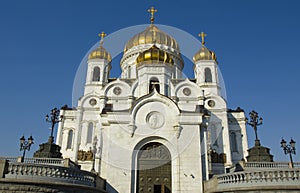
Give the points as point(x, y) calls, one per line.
point(154, 83)
point(89, 136)
point(207, 75)
point(96, 74)
point(233, 143)
point(70, 139)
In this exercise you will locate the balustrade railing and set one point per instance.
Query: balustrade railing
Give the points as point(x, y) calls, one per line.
point(43, 161)
point(252, 180)
point(269, 165)
point(50, 173)
point(266, 178)
point(10, 159)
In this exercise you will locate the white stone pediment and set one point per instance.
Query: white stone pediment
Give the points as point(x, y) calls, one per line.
point(90, 100)
point(187, 89)
point(215, 103)
point(117, 88)
point(153, 112)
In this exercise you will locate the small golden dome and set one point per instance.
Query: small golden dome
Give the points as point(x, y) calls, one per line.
point(152, 35)
point(100, 53)
point(204, 54)
point(153, 55)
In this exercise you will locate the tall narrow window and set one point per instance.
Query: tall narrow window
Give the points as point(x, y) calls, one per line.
point(70, 139)
point(96, 74)
point(154, 83)
point(129, 72)
point(89, 136)
point(233, 142)
point(207, 74)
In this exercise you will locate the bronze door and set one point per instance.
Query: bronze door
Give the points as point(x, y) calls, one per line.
point(154, 169)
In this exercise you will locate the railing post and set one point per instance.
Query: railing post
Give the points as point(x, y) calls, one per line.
point(3, 168)
point(66, 162)
point(20, 159)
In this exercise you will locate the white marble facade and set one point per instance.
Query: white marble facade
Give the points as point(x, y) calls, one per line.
point(152, 102)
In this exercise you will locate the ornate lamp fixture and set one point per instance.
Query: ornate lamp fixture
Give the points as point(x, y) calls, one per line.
point(54, 118)
point(255, 121)
point(25, 145)
point(289, 149)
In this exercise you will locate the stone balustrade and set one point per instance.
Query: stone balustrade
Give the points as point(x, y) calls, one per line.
point(10, 159)
point(274, 165)
point(282, 179)
point(47, 171)
point(44, 161)
point(50, 173)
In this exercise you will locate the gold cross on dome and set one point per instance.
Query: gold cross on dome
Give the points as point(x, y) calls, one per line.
point(152, 11)
point(202, 35)
point(102, 35)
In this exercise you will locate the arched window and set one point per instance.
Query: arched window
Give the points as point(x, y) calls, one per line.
point(207, 74)
point(96, 74)
point(233, 143)
point(70, 139)
point(154, 83)
point(89, 136)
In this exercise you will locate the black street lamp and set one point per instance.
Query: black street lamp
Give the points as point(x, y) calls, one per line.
point(53, 119)
point(25, 145)
point(289, 149)
point(255, 121)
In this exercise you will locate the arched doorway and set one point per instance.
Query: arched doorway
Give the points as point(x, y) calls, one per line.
point(154, 169)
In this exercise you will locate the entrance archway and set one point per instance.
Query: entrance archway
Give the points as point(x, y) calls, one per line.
point(154, 169)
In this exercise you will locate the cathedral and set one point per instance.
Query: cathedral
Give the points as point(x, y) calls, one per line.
point(152, 129)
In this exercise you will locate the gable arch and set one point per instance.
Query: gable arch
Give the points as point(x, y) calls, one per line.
point(125, 87)
point(153, 97)
point(196, 90)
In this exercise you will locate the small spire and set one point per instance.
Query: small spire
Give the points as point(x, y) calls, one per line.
point(102, 35)
point(152, 11)
point(202, 35)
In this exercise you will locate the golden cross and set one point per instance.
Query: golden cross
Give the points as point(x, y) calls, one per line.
point(102, 35)
point(152, 10)
point(202, 35)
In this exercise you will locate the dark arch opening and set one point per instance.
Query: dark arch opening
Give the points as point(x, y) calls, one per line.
point(154, 172)
point(96, 74)
point(154, 83)
point(208, 76)
point(70, 139)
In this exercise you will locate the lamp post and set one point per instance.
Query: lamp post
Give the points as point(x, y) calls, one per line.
point(25, 145)
point(255, 121)
point(210, 153)
point(94, 150)
point(289, 149)
point(54, 118)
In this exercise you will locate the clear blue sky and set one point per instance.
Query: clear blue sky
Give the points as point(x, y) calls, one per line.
point(42, 44)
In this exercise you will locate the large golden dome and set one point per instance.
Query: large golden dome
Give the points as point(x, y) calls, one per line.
point(154, 56)
point(152, 35)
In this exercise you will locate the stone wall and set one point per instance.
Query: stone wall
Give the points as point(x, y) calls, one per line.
point(24, 186)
